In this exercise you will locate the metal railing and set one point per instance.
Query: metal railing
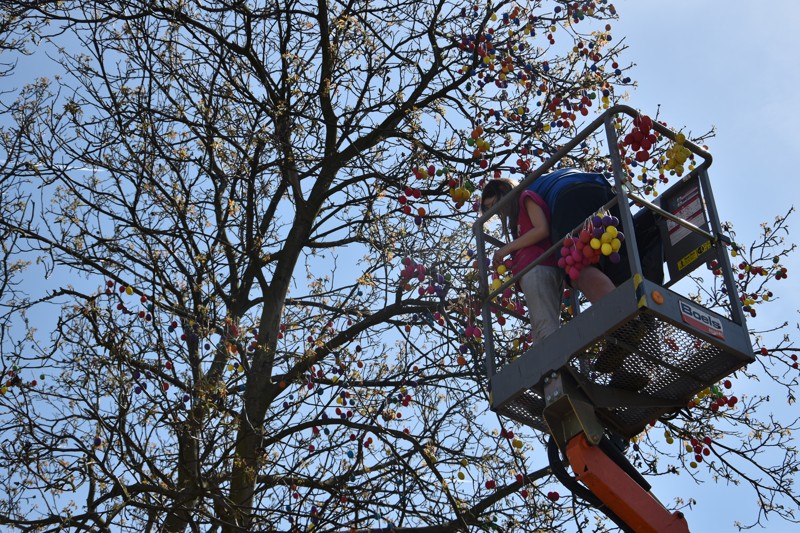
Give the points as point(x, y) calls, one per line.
point(624, 195)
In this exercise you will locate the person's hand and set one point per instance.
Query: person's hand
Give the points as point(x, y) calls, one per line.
point(498, 256)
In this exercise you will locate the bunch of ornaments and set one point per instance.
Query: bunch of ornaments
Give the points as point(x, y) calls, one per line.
point(599, 237)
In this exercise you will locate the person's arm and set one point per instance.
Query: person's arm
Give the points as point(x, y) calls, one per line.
point(540, 230)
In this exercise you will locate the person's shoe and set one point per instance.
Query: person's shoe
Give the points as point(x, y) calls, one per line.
point(610, 358)
point(614, 354)
point(627, 380)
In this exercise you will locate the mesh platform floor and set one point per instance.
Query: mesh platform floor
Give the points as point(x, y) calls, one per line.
point(648, 355)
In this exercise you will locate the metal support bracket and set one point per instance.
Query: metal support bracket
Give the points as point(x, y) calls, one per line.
point(568, 412)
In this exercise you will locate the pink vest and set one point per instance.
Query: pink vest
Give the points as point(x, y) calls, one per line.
point(526, 256)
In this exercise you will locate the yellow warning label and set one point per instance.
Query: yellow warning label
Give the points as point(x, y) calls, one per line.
point(694, 254)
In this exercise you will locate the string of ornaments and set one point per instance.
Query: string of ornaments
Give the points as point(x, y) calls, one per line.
point(599, 237)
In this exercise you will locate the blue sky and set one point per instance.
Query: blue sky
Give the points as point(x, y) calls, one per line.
point(731, 66)
point(734, 66)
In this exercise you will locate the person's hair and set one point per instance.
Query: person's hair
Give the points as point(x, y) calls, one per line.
point(509, 215)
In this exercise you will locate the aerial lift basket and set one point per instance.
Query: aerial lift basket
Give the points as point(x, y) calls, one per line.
point(663, 347)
